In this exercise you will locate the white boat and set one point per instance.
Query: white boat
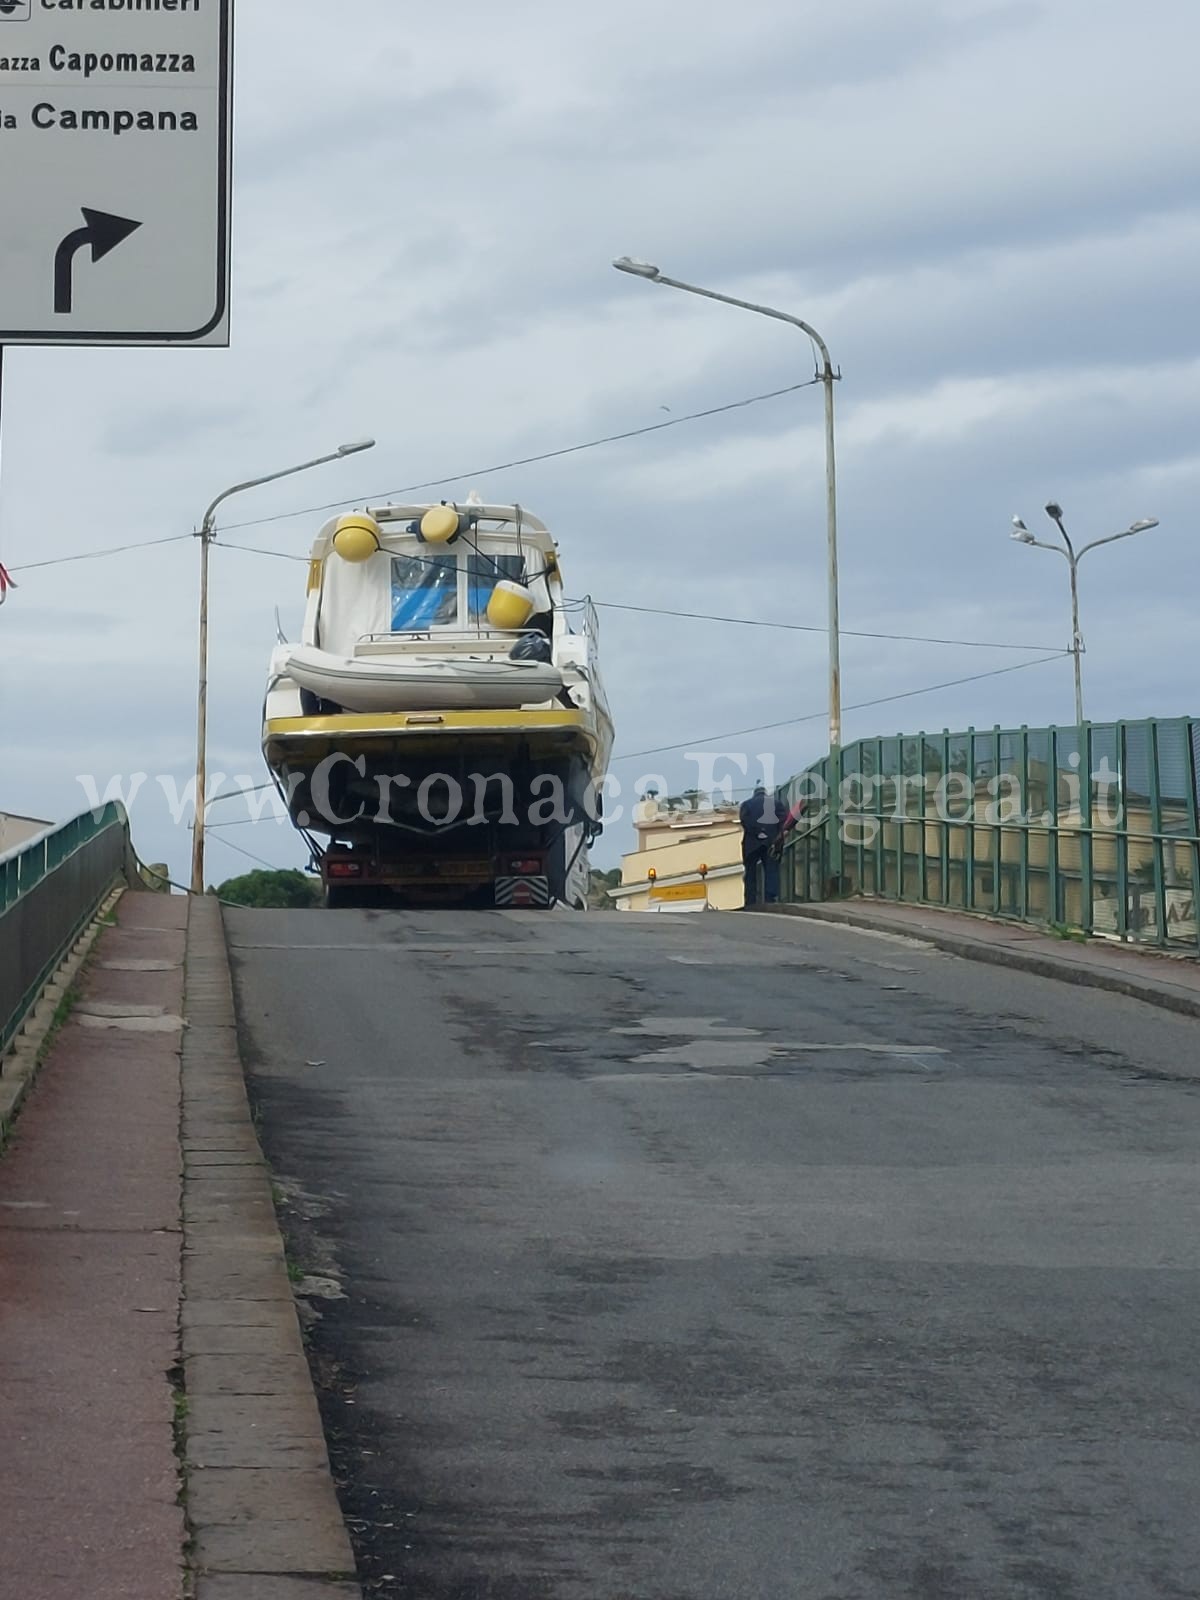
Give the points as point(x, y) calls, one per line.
point(438, 642)
point(375, 678)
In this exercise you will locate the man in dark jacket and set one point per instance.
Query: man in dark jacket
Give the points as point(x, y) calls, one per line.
point(761, 817)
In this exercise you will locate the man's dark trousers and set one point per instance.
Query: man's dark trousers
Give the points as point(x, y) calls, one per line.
point(752, 860)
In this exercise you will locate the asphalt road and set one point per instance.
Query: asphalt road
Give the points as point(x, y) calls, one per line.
point(734, 1258)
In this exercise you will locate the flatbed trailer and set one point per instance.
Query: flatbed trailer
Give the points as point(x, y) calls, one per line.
point(386, 866)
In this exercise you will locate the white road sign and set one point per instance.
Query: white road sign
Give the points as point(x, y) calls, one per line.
point(115, 162)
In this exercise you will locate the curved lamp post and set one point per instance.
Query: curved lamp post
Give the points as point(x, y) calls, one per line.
point(206, 535)
point(644, 269)
point(1073, 557)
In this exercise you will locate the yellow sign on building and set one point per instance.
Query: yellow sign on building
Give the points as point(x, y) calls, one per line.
point(678, 891)
point(686, 860)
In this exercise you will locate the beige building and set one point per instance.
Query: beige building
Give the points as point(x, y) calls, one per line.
point(16, 830)
point(674, 845)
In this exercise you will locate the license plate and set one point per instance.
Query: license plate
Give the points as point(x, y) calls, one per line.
point(442, 869)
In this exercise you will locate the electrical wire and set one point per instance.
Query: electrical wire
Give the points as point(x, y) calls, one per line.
point(254, 822)
point(861, 705)
point(249, 854)
point(527, 461)
point(237, 794)
point(802, 627)
point(194, 894)
point(431, 483)
point(551, 455)
point(242, 822)
point(764, 727)
point(704, 616)
point(277, 555)
point(95, 555)
point(601, 605)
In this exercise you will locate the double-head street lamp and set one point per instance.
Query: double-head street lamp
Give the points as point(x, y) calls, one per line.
point(206, 535)
point(1073, 557)
point(643, 269)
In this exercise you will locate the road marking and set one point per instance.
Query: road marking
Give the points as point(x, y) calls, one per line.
point(816, 1049)
point(694, 1073)
point(524, 951)
point(704, 1028)
point(874, 1049)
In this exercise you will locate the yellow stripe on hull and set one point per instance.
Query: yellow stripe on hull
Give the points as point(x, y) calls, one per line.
point(393, 722)
point(298, 741)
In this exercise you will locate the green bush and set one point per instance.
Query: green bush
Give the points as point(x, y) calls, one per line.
point(287, 890)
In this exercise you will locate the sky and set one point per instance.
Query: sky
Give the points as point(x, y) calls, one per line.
point(989, 210)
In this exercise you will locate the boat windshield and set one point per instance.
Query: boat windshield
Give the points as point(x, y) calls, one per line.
point(442, 589)
point(424, 592)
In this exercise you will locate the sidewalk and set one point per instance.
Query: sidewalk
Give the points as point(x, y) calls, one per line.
point(1172, 982)
point(145, 1307)
point(90, 1282)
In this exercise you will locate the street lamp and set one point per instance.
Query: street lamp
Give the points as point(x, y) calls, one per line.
point(645, 269)
point(206, 535)
point(1073, 557)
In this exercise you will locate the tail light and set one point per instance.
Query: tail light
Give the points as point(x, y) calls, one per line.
point(344, 869)
point(526, 866)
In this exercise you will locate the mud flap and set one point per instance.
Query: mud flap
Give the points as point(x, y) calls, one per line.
point(527, 893)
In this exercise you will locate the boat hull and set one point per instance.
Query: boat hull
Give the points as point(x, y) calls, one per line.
point(344, 774)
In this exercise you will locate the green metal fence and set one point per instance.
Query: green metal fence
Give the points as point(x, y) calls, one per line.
point(50, 889)
point(1093, 828)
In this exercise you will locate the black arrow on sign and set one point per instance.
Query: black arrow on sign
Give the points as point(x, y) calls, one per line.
point(103, 232)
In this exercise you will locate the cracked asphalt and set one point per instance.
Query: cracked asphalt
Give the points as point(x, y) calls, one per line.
point(733, 1258)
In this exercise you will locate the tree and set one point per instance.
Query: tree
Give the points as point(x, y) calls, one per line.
point(286, 890)
point(601, 883)
point(689, 800)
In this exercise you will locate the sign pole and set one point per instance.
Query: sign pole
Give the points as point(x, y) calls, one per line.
point(6, 582)
point(2, 585)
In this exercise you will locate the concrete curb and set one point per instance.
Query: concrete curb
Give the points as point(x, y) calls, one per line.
point(1133, 986)
point(19, 1069)
point(263, 1512)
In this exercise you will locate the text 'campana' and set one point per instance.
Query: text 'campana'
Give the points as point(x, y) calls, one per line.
point(70, 120)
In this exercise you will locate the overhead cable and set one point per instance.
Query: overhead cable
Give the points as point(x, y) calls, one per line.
point(704, 616)
point(808, 627)
point(249, 854)
point(432, 483)
point(526, 461)
point(766, 727)
point(95, 555)
point(861, 705)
